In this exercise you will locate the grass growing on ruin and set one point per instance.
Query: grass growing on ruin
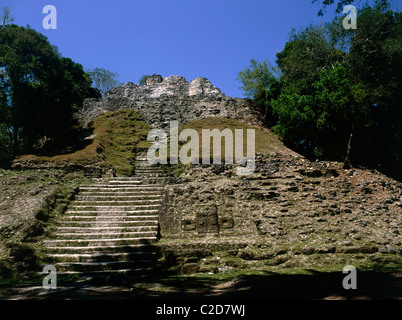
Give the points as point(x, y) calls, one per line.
point(121, 134)
point(117, 136)
point(265, 140)
point(29, 202)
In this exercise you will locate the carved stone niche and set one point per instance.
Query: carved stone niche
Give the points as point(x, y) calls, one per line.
point(207, 220)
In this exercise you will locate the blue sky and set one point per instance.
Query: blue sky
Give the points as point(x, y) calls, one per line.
point(193, 38)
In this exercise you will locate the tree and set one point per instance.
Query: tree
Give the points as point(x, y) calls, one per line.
point(6, 17)
point(39, 88)
point(304, 121)
point(26, 59)
point(343, 110)
point(322, 123)
point(5, 133)
point(261, 83)
point(375, 59)
point(103, 79)
point(63, 97)
point(307, 52)
point(317, 62)
point(341, 92)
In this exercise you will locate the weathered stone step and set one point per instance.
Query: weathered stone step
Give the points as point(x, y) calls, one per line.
point(145, 247)
point(118, 185)
point(149, 188)
point(119, 180)
point(99, 242)
point(109, 227)
point(107, 183)
point(100, 214)
point(153, 173)
point(120, 177)
point(147, 168)
point(114, 184)
point(109, 218)
point(115, 208)
point(125, 223)
point(143, 164)
point(131, 195)
point(101, 188)
point(103, 273)
point(80, 230)
point(142, 158)
point(112, 187)
point(159, 177)
point(118, 197)
point(115, 203)
point(114, 211)
point(143, 173)
point(125, 178)
point(134, 222)
point(105, 235)
point(155, 178)
point(118, 216)
point(104, 266)
point(100, 257)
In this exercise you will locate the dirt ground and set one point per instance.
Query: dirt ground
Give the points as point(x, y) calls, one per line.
point(316, 286)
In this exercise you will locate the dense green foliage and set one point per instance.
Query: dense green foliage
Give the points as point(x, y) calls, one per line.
point(39, 90)
point(260, 82)
point(340, 91)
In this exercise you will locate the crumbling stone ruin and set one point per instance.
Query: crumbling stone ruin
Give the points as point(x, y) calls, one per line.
point(163, 100)
point(292, 212)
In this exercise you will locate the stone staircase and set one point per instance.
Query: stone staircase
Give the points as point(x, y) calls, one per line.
point(110, 227)
point(144, 169)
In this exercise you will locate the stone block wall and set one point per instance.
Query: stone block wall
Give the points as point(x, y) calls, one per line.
point(288, 200)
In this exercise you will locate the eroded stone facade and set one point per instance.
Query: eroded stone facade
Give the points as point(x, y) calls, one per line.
point(173, 98)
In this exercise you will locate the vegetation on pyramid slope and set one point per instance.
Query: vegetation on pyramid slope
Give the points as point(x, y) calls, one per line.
point(117, 136)
point(265, 141)
point(121, 135)
point(29, 202)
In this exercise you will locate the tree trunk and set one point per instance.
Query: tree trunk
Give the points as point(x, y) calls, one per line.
point(15, 141)
point(266, 113)
point(346, 164)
